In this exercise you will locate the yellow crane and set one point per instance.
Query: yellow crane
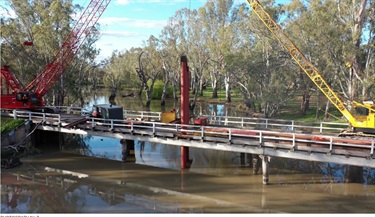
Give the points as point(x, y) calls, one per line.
point(364, 123)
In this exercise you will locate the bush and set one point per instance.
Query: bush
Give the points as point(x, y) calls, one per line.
point(158, 90)
point(8, 124)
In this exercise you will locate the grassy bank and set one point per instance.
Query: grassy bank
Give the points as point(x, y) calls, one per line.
point(8, 124)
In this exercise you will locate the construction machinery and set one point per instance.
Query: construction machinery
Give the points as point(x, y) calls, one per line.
point(15, 96)
point(362, 123)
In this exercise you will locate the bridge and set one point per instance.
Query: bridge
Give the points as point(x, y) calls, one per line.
point(264, 137)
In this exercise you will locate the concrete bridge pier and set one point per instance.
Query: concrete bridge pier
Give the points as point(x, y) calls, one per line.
point(126, 146)
point(265, 160)
point(255, 164)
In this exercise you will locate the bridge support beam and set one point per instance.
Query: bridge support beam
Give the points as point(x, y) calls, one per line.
point(265, 161)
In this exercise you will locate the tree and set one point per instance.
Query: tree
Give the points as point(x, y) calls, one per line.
point(334, 35)
point(46, 24)
point(150, 67)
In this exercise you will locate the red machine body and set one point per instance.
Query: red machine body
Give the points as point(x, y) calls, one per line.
point(14, 96)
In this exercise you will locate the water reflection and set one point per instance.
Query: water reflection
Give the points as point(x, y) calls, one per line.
point(132, 189)
point(52, 193)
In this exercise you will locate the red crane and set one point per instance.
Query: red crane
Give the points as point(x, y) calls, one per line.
point(15, 97)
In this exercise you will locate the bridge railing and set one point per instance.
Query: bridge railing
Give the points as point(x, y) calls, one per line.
point(142, 115)
point(71, 110)
point(147, 115)
point(243, 122)
point(276, 124)
point(261, 138)
point(37, 116)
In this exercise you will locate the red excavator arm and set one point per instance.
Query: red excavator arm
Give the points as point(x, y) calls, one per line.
point(32, 95)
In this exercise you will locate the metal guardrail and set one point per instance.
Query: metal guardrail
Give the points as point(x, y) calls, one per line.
point(227, 136)
point(71, 110)
point(36, 116)
point(241, 122)
point(332, 144)
point(272, 124)
point(143, 115)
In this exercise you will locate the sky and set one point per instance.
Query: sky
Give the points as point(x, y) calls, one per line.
point(128, 23)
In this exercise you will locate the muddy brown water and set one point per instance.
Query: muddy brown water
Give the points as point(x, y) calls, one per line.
point(61, 182)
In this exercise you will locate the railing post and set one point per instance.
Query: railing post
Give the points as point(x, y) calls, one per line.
point(266, 123)
point(202, 132)
point(132, 127)
point(14, 114)
point(321, 127)
point(153, 129)
point(230, 136)
point(294, 141)
point(44, 117)
point(92, 122)
point(111, 124)
point(241, 122)
point(68, 110)
point(260, 138)
point(30, 117)
point(372, 147)
point(292, 125)
point(330, 144)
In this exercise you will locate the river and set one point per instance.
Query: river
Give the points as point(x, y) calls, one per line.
point(88, 176)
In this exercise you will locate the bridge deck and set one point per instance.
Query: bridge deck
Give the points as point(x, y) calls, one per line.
point(323, 147)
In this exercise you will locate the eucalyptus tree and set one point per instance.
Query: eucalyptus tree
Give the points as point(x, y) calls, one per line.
point(198, 53)
point(218, 17)
point(336, 37)
point(44, 24)
point(264, 77)
point(150, 67)
point(114, 76)
point(173, 43)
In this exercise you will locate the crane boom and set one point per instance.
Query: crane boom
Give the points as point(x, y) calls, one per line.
point(48, 77)
point(10, 80)
point(310, 70)
point(32, 95)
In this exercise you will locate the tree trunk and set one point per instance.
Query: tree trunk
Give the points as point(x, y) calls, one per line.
point(165, 91)
point(317, 106)
point(227, 89)
point(326, 113)
point(214, 89)
point(305, 104)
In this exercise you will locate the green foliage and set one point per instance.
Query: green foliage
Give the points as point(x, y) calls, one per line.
point(8, 124)
point(158, 89)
